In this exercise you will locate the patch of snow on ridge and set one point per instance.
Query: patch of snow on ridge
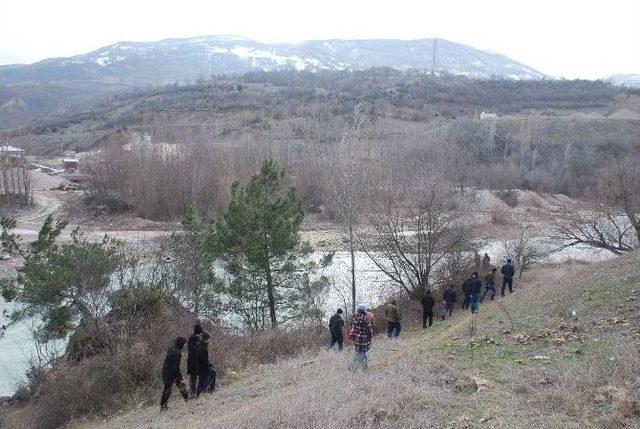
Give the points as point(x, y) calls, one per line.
point(254, 54)
point(218, 50)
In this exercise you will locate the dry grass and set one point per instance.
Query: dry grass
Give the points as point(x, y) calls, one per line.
point(590, 378)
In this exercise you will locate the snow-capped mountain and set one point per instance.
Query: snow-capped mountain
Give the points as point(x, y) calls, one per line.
point(177, 59)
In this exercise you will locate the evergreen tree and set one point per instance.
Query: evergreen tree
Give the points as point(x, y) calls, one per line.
point(258, 238)
point(62, 284)
point(193, 269)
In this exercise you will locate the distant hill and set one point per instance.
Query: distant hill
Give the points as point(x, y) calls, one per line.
point(58, 85)
point(630, 80)
point(173, 59)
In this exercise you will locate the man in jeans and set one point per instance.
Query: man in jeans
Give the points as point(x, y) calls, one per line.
point(475, 287)
point(449, 299)
point(392, 313)
point(362, 335)
point(508, 271)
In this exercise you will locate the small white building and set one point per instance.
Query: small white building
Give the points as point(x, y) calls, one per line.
point(485, 115)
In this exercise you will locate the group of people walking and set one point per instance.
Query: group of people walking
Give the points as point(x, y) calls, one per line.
point(361, 329)
point(202, 376)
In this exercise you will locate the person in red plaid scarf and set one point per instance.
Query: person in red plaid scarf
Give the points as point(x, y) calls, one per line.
point(363, 332)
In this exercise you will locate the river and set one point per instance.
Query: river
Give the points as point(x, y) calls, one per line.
point(16, 345)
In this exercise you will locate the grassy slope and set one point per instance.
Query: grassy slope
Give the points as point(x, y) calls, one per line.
point(589, 378)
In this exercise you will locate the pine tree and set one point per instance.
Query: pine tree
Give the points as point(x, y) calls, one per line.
point(258, 233)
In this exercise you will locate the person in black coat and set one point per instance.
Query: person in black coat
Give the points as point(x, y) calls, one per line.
point(336, 324)
point(192, 359)
point(474, 286)
point(427, 302)
point(449, 299)
point(508, 271)
point(171, 370)
point(206, 373)
point(467, 293)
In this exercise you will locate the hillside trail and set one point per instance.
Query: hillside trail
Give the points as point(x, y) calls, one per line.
point(405, 348)
point(253, 390)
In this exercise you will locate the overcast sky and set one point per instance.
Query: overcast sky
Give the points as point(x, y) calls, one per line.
point(569, 38)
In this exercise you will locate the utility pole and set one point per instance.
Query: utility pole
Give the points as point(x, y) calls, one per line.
point(433, 63)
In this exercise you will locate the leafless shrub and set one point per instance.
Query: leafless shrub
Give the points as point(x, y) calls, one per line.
point(499, 216)
point(523, 251)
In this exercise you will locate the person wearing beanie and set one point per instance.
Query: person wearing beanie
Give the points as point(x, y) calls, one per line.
point(362, 335)
point(171, 370)
point(192, 359)
point(336, 323)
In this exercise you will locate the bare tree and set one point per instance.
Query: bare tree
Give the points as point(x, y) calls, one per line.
point(416, 227)
point(613, 220)
point(599, 227)
point(346, 182)
point(523, 251)
point(619, 186)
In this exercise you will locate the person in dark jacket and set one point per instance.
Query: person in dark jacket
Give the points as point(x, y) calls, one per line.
point(171, 370)
point(206, 373)
point(449, 300)
point(336, 323)
point(490, 285)
point(192, 359)
point(427, 302)
point(467, 293)
point(508, 271)
point(474, 287)
point(486, 261)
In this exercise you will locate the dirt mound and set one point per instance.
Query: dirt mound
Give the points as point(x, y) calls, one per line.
point(485, 200)
point(532, 199)
point(625, 114)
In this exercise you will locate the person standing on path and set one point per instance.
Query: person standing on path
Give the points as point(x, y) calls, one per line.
point(392, 313)
point(475, 287)
point(171, 370)
point(192, 359)
point(206, 374)
point(508, 271)
point(489, 285)
point(362, 335)
point(336, 323)
point(466, 290)
point(486, 262)
point(427, 302)
point(449, 300)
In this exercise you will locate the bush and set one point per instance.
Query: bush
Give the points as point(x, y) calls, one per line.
point(499, 216)
point(509, 197)
point(127, 372)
